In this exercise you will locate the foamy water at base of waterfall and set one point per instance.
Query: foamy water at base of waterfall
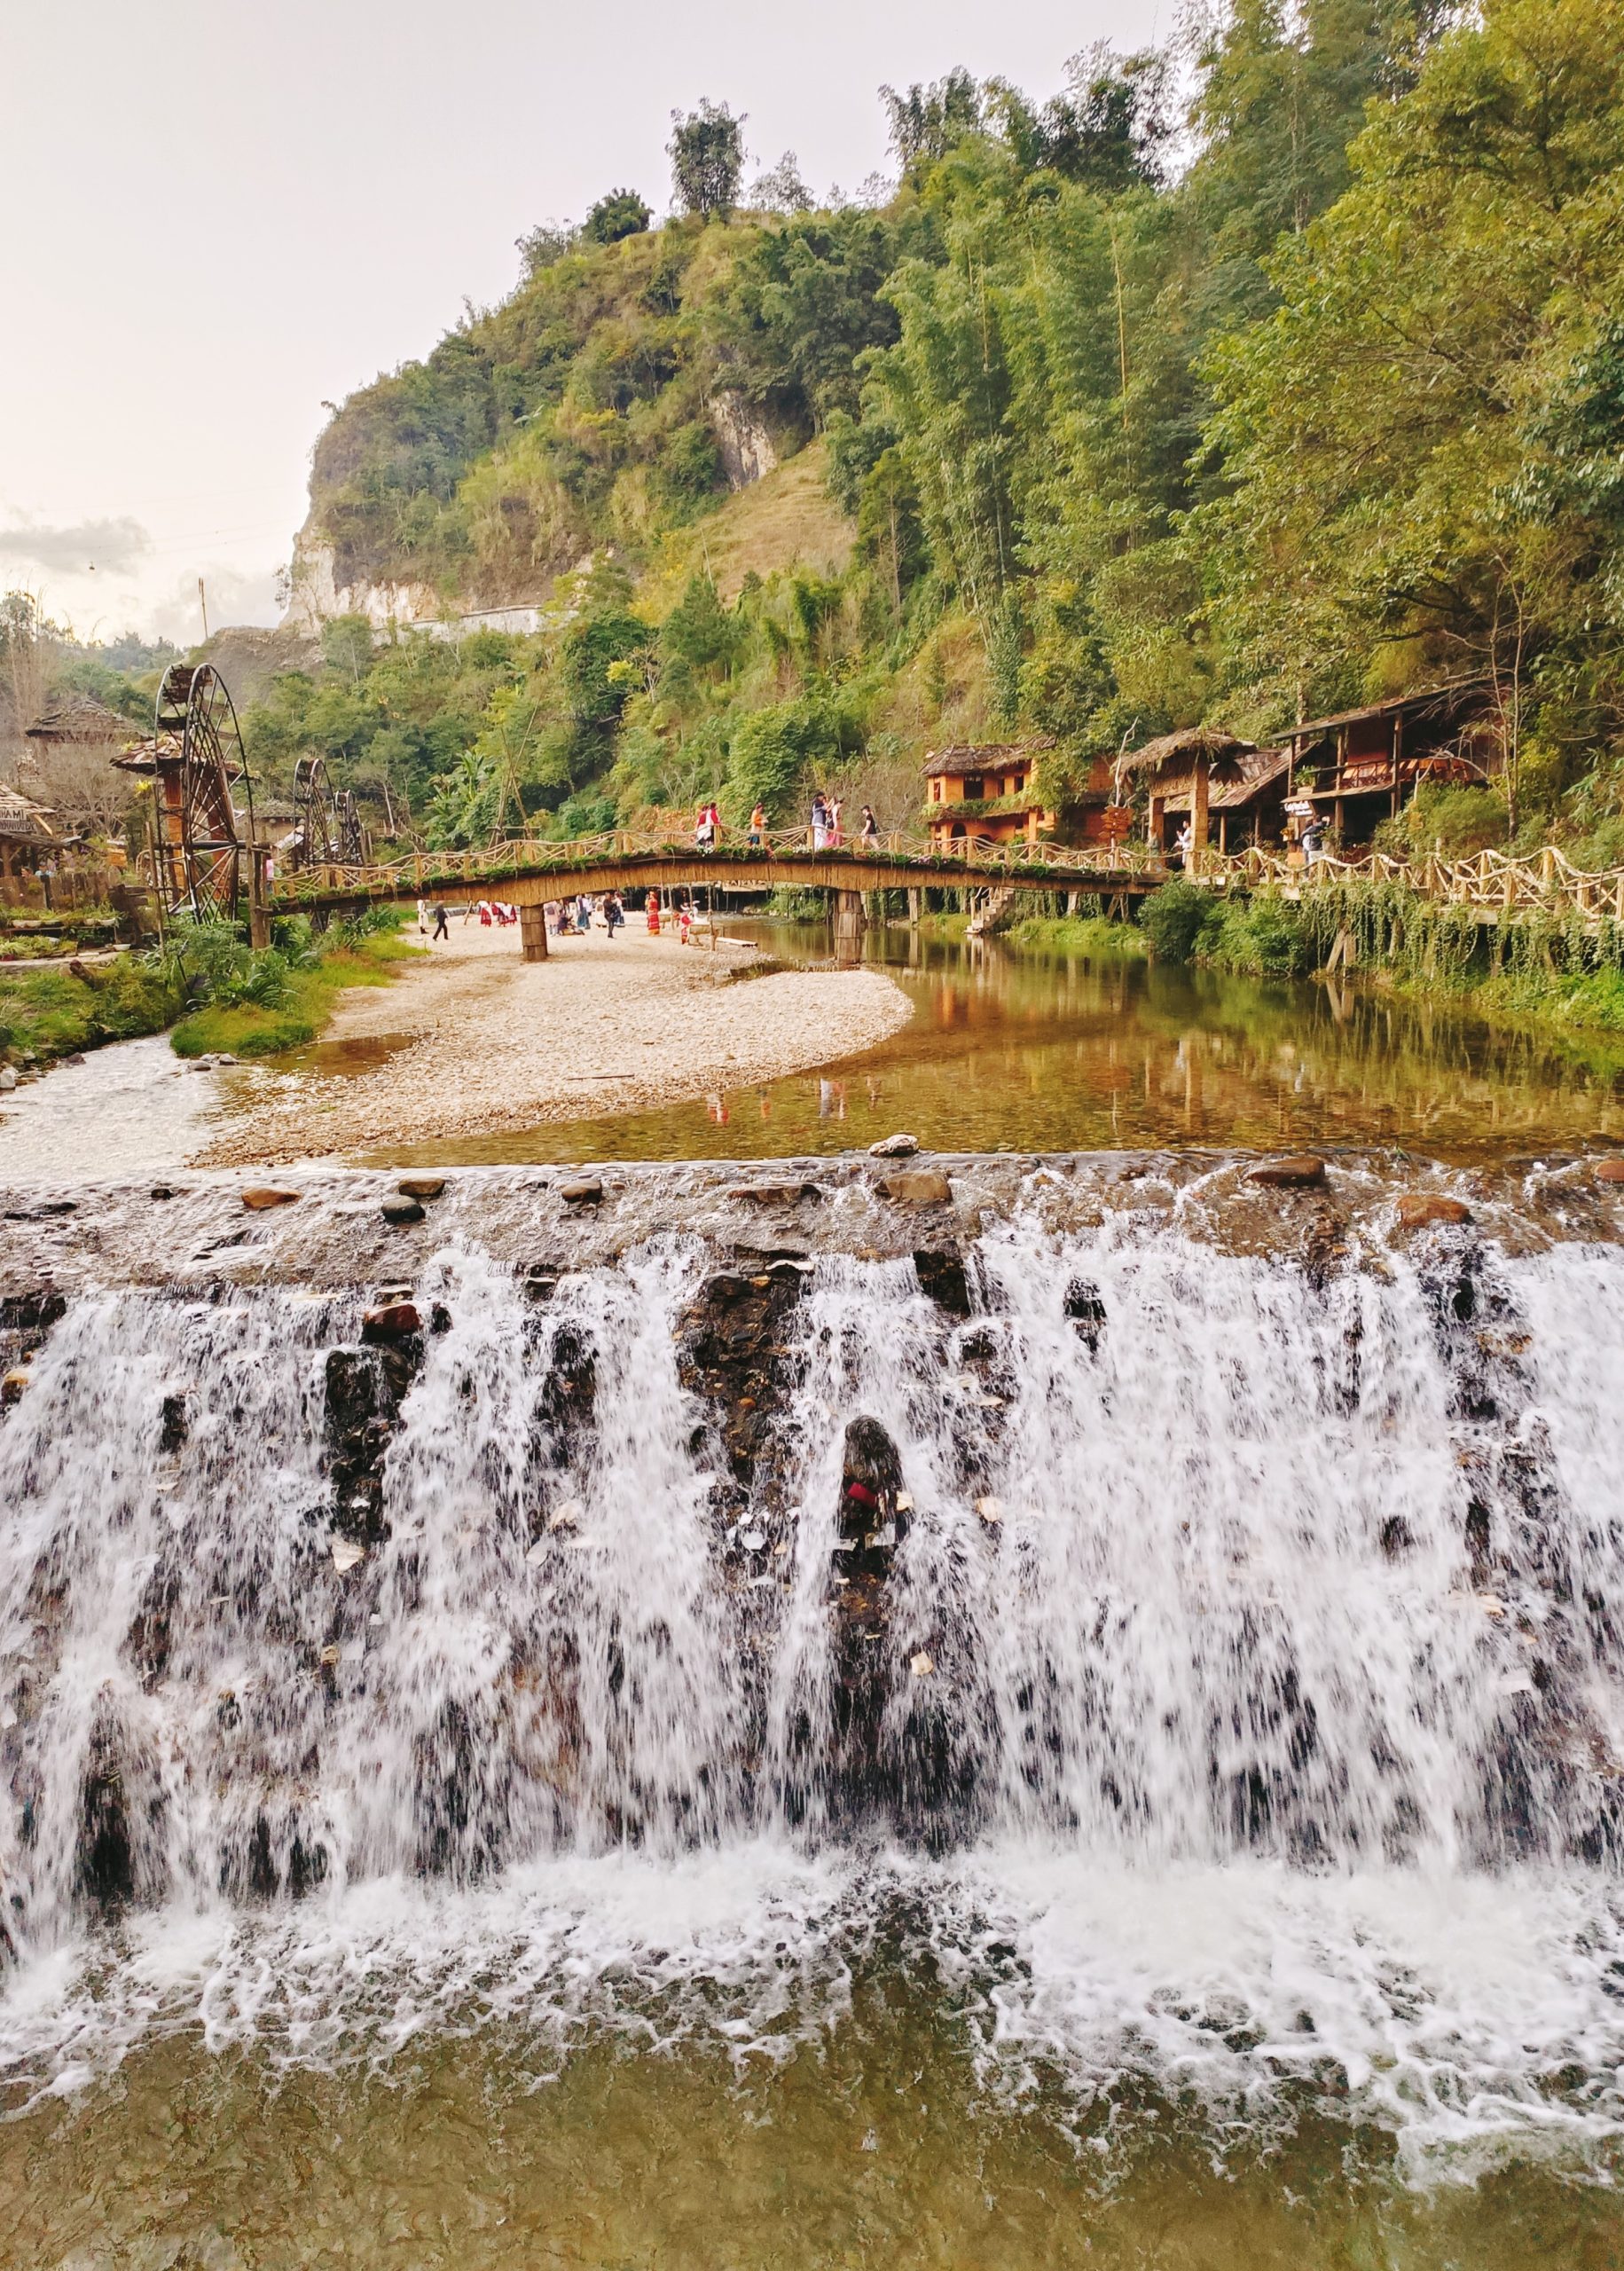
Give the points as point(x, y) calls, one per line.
point(459, 1842)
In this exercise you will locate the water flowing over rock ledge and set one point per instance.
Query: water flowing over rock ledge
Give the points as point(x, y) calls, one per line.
point(331, 1230)
point(1089, 1519)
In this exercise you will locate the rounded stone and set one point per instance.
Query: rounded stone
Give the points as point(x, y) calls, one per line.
point(1291, 1171)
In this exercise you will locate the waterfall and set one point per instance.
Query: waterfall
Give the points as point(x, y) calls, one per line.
point(1235, 1642)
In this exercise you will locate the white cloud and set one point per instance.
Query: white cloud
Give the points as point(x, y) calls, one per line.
point(236, 595)
point(75, 547)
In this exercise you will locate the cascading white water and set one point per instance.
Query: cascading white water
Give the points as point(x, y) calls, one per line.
point(1250, 1666)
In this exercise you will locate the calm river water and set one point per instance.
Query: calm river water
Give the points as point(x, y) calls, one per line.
point(1032, 1051)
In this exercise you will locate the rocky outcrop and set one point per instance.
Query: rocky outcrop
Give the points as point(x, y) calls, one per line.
point(746, 446)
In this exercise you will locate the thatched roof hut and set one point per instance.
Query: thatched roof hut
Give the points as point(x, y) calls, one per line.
point(1179, 752)
point(82, 722)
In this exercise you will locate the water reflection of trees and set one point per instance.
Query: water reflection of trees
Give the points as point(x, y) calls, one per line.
point(1127, 1052)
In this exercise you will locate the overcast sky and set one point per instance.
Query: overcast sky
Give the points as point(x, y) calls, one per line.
point(220, 214)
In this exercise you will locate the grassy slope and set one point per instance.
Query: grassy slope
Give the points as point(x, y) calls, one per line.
point(246, 1030)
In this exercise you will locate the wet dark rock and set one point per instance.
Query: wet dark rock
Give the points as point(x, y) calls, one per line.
point(258, 1199)
point(732, 1352)
point(391, 1322)
point(364, 1390)
point(34, 1312)
point(117, 1802)
point(1291, 1171)
point(161, 1190)
point(917, 1187)
point(581, 1190)
point(174, 1423)
point(44, 1212)
point(572, 1385)
point(1085, 1311)
point(401, 1213)
point(775, 1194)
point(421, 1186)
point(941, 1276)
point(13, 1386)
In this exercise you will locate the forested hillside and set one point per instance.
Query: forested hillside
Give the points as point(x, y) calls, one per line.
point(1107, 419)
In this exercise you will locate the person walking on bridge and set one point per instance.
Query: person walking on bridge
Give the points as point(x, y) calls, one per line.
point(759, 827)
point(870, 829)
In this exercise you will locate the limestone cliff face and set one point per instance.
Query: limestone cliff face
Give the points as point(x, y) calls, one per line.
point(316, 596)
point(747, 447)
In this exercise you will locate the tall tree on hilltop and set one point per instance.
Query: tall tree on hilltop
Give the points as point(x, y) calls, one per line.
point(707, 156)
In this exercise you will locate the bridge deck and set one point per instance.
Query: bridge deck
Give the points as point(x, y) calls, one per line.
point(525, 873)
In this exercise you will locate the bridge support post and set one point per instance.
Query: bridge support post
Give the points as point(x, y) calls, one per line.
point(533, 933)
point(916, 907)
point(259, 913)
point(848, 926)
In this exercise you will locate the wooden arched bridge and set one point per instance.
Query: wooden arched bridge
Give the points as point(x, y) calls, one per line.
point(529, 872)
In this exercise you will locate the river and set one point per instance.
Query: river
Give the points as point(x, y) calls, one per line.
point(480, 1792)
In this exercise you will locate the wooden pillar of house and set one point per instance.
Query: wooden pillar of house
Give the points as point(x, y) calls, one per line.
point(533, 932)
point(1197, 814)
point(1153, 825)
point(848, 928)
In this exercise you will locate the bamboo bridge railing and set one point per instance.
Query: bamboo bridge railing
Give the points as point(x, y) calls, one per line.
point(1496, 885)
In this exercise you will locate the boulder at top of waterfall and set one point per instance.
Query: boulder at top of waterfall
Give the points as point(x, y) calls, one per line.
point(917, 1187)
point(894, 1147)
point(391, 1321)
point(581, 1190)
point(773, 1194)
point(421, 1186)
point(1291, 1171)
point(1421, 1210)
point(1609, 1171)
point(399, 1212)
point(257, 1199)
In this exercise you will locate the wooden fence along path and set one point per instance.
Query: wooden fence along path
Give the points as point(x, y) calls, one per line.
point(1494, 883)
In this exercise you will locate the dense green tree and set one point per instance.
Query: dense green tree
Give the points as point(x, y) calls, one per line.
point(623, 213)
point(707, 156)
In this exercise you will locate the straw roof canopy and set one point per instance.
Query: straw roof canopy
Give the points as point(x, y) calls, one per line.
point(23, 820)
point(1261, 770)
point(984, 757)
point(83, 721)
point(1185, 748)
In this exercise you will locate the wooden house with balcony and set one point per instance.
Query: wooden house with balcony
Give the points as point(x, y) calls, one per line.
point(986, 792)
point(1357, 768)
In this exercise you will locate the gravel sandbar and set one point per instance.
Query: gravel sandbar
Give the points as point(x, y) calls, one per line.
point(480, 1042)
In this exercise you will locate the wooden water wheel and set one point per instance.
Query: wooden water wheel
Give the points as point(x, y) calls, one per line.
point(200, 848)
point(317, 828)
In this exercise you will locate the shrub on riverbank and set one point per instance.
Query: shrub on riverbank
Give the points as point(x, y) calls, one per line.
point(256, 1004)
point(1559, 970)
point(1080, 934)
point(226, 995)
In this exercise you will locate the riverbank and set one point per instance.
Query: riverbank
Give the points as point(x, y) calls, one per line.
point(476, 1040)
point(209, 991)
